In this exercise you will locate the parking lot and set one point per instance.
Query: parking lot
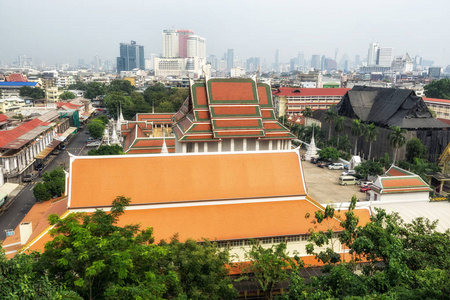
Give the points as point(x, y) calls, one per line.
point(323, 185)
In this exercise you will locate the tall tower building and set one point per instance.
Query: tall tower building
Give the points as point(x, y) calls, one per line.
point(196, 47)
point(230, 59)
point(385, 56)
point(171, 44)
point(301, 60)
point(372, 55)
point(277, 61)
point(315, 62)
point(131, 57)
point(183, 36)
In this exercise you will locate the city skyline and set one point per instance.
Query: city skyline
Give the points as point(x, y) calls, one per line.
point(84, 29)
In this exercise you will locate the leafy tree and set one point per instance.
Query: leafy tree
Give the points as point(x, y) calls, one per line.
point(344, 144)
point(371, 136)
point(438, 89)
point(307, 112)
point(52, 185)
point(330, 116)
point(357, 131)
point(114, 100)
point(155, 94)
point(415, 149)
point(96, 128)
point(385, 161)
point(67, 95)
point(397, 138)
point(270, 266)
point(369, 167)
point(107, 150)
point(137, 105)
point(104, 119)
point(165, 106)
point(201, 270)
point(19, 280)
point(339, 126)
point(329, 153)
point(81, 86)
point(120, 86)
point(98, 259)
point(94, 89)
point(163, 99)
point(32, 92)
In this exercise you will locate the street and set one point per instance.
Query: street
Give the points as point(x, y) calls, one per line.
point(24, 200)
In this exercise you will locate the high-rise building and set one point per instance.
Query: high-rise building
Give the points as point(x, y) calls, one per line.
point(385, 56)
point(372, 55)
point(252, 64)
point(171, 44)
point(196, 47)
point(357, 60)
point(131, 57)
point(315, 62)
point(230, 59)
point(277, 61)
point(301, 61)
point(183, 36)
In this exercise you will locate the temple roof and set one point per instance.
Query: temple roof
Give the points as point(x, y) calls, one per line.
point(228, 108)
point(149, 179)
point(398, 180)
point(387, 107)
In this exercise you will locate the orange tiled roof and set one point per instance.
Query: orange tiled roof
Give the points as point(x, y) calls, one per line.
point(150, 179)
point(396, 171)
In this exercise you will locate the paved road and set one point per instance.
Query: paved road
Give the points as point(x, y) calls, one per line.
point(24, 200)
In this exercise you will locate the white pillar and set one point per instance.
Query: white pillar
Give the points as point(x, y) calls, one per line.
point(257, 145)
point(205, 147)
point(245, 145)
point(232, 145)
point(184, 147)
point(278, 144)
point(196, 147)
point(270, 145)
point(219, 147)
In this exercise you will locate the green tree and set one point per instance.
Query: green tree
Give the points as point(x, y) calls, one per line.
point(397, 139)
point(155, 94)
point(107, 150)
point(137, 105)
point(165, 107)
point(339, 126)
point(52, 185)
point(96, 128)
point(19, 280)
point(81, 86)
point(94, 89)
point(32, 92)
point(415, 149)
point(307, 112)
point(201, 270)
point(369, 167)
point(115, 100)
point(357, 131)
point(438, 89)
point(67, 95)
point(371, 135)
point(344, 144)
point(270, 266)
point(329, 153)
point(330, 116)
point(121, 86)
point(104, 119)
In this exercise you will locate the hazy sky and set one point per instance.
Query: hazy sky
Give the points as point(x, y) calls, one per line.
point(59, 31)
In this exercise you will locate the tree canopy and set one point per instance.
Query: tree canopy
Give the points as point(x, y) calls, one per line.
point(415, 149)
point(96, 128)
point(52, 185)
point(438, 89)
point(329, 153)
point(67, 95)
point(107, 150)
point(32, 92)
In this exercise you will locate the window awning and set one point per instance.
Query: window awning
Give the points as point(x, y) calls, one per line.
point(65, 134)
point(44, 153)
point(6, 189)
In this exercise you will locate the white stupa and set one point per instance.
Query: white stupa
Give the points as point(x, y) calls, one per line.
point(312, 149)
point(114, 138)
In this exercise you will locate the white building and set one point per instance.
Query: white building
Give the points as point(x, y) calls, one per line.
point(385, 56)
point(373, 54)
point(237, 72)
point(170, 44)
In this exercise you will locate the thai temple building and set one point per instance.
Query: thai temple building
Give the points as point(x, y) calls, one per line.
point(227, 115)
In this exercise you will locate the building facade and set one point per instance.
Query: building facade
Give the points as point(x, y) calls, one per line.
point(131, 57)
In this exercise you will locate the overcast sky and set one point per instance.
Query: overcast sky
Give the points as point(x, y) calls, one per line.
point(59, 31)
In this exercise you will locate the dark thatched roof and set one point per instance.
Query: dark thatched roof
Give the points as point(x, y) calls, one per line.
point(387, 107)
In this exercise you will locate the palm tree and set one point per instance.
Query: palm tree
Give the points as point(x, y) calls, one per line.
point(371, 135)
point(357, 131)
point(339, 125)
point(397, 139)
point(330, 116)
point(307, 112)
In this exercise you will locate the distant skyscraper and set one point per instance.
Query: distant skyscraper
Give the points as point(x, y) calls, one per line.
point(372, 55)
point(171, 44)
point(196, 47)
point(183, 36)
point(357, 60)
point(230, 59)
point(131, 57)
point(385, 56)
point(277, 61)
point(252, 64)
point(301, 60)
point(315, 62)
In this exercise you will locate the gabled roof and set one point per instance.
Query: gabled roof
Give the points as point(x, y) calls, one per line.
point(149, 179)
point(16, 77)
point(3, 118)
point(303, 92)
point(397, 180)
point(228, 108)
point(387, 107)
point(8, 136)
point(437, 101)
point(396, 171)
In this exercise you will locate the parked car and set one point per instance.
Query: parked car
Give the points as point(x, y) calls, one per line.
point(39, 167)
point(366, 183)
point(336, 166)
point(93, 144)
point(29, 177)
point(91, 139)
point(347, 180)
point(364, 189)
point(314, 160)
point(349, 172)
point(320, 164)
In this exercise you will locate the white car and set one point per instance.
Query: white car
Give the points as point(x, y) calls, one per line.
point(366, 183)
point(93, 144)
point(336, 166)
point(349, 172)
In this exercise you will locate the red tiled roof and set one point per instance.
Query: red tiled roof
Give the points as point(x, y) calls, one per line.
point(435, 100)
point(3, 118)
point(231, 91)
point(286, 91)
point(7, 136)
point(16, 77)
